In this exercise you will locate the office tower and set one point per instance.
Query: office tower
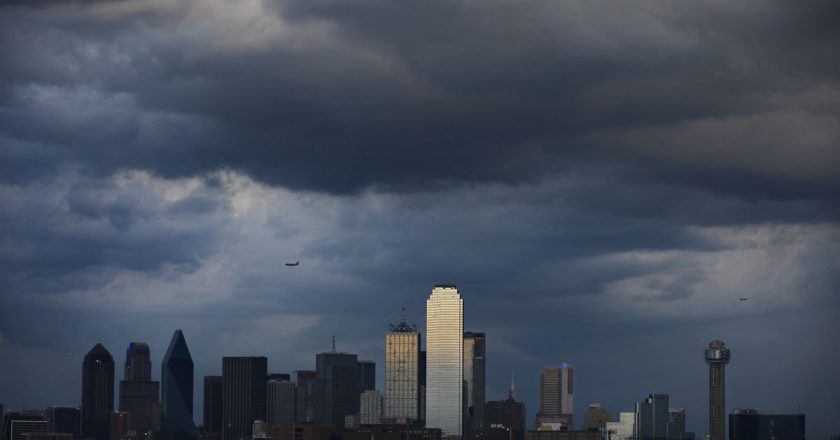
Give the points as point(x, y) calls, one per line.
point(445, 360)
point(213, 404)
point(367, 375)
point(749, 424)
point(138, 393)
point(595, 418)
point(176, 394)
point(717, 356)
point(507, 415)
point(556, 398)
point(280, 401)
point(97, 392)
point(304, 395)
point(336, 386)
point(370, 407)
point(652, 418)
point(676, 425)
point(259, 430)
point(65, 419)
point(623, 429)
point(474, 376)
point(402, 371)
point(243, 395)
point(421, 369)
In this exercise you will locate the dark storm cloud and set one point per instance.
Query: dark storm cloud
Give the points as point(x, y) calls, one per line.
point(339, 96)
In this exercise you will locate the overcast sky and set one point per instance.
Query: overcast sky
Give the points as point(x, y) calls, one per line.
point(603, 180)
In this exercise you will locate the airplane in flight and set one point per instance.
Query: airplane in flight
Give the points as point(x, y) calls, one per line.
point(296, 263)
point(743, 299)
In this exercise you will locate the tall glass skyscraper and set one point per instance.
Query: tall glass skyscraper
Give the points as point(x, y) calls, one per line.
point(176, 395)
point(474, 372)
point(139, 395)
point(445, 360)
point(402, 371)
point(97, 393)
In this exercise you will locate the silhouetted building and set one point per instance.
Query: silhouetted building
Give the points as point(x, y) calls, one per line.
point(402, 371)
point(749, 424)
point(445, 360)
point(47, 436)
point(336, 385)
point(244, 395)
point(623, 429)
point(717, 356)
point(595, 418)
point(25, 416)
point(138, 393)
point(422, 373)
point(370, 407)
point(177, 390)
point(652, 418)
point(367, 375)
point(556, 398)
point(213, 404)
point(504, 416)
point(676, 425)
point(65, 419)
point(304, 395)
point(97, 393)
point(474, 376)
point(280, 402)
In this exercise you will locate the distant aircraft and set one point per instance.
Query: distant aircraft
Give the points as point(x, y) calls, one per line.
point(296, 263)
point(743, 299)
point(69, 353)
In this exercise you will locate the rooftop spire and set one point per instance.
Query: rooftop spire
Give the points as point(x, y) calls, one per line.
point(333, 344)
point(512, 392)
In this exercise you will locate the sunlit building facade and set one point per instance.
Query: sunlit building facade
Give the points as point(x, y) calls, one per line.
point(445, 360)
point(402, 371)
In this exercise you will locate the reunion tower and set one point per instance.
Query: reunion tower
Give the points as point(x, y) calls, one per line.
point(717, 356)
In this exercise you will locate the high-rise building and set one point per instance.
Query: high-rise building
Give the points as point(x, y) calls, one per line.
point(304, 395)
point(595, 418)
point(474, 376)
point(676, 425)
point(370, 407)
point(749, 424)
point(402, 371)
point(507, 415)
point(717, 356)
point(213, 404)
point(243, 395)
point(652, 418)
point(138, 393)
point(336, 386)
point(623, 429)
point(367, 375)
point(65, 419)
point(176, 394)
point(280, 402)
point(445, 360)
point(97, 393)
point(556, 398)
point(422, 373)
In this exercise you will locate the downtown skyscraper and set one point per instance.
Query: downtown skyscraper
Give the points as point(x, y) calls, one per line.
point(445, 360)
point(336, 387)
point(402, 371)
point(97, 393)
point(474, 376)
point(177, 390)
point(139, 395)
point(556, 398)
point(243, 395)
